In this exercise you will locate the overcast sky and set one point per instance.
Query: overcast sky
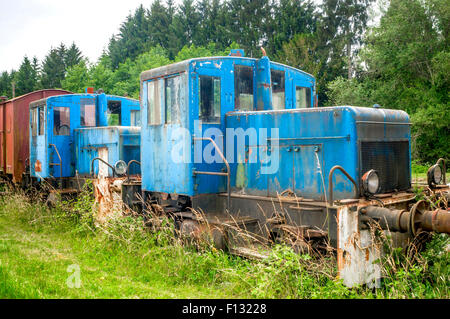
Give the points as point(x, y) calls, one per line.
point(32, 27)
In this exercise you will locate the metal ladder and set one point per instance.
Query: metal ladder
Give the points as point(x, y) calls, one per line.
point(57, 164)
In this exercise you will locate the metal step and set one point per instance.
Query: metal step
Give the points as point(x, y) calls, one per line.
point(249, 253)
point(65, 191)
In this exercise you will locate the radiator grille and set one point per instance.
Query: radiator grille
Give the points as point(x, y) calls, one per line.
point(391, 160)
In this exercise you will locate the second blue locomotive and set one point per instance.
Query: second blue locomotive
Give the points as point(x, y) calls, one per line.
point(68, 132)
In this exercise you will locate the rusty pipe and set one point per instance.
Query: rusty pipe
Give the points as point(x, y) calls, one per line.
point(392, 219)
point(418, 218)
point(438, 221)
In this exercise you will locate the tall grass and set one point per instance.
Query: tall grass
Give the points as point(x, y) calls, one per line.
point(134, 258)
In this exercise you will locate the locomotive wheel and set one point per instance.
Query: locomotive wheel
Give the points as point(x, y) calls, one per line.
point(52, 199)
point(193, 232)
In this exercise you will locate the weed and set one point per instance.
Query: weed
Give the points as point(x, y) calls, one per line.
point(136, 257)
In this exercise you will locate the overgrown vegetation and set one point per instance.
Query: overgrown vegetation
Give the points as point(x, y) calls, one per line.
point(123, 259)
point(404, 65)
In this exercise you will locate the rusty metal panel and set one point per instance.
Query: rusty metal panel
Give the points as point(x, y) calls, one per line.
point(108, 198)
point(2, 138)
point(357, 252)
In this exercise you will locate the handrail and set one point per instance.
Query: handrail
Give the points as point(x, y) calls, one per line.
point(60, 163)
point(330, 181)
point(103, 161)
point(128, 168)
point(228, 173)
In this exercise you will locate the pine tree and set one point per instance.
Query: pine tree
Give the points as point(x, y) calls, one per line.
point(25, 78)
point(5, 84)
point(133, 38)
point(291, 17)
point(53, 69)
point(73, 56)
point(159, 24)
point(342, 26)
point(186, 23)
point(36, 73)
point(62, 51)
point(248, 21)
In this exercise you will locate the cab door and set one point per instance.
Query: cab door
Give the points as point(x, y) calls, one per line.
point(60, 130)
point(38, 142)
point(209, 122)
point(164, 126)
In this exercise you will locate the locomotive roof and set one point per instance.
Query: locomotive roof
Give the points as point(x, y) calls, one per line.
point(39, 102)
point(30, 93)
point(360, 113)
point(181, 66)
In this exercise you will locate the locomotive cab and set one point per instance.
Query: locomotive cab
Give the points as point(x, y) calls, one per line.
point(63, 134)
point(186, 100)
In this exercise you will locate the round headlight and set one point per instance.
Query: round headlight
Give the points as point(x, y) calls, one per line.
point(435, 174)
point(371, 182)
point(120, 167)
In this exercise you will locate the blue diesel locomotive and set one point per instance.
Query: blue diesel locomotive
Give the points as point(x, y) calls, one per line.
point(242, 141)
point(80, 135)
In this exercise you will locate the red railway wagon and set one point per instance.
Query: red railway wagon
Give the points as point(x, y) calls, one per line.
point(14, 132)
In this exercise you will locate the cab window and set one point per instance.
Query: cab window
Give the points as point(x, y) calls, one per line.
point(172, 92)
point(154, 103)
point(209, 99)
point(34, 122)
point(135, 118)
point(113, 114)
point(278, 89)
point(87, 112)
point(61, 121)
point(302, 97)
point(41, 123)
point(243, 87)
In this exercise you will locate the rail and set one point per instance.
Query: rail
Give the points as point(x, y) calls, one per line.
point(57, 164)
point(128, 168)
point(330, 181)
point(227, 174)
point(104, 162)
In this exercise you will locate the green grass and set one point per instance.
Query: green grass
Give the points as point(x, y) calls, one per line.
point(124, 260)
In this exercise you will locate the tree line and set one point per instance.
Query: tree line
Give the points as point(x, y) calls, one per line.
point(333, 28)
point(33, 75)
point(402, 63)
